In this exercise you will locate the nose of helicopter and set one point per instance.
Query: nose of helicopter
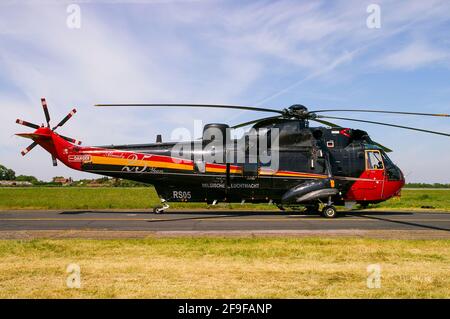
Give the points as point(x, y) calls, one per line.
point(395, 180)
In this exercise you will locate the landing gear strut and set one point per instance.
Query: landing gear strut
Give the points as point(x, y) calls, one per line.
point(161, 209)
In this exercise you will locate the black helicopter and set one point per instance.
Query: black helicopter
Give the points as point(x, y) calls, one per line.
point(317, 168)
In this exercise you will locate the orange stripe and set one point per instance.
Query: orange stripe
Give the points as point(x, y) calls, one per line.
point(167, 162)
point(140, 163)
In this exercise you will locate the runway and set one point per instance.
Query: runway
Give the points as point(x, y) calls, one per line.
point(226, 222)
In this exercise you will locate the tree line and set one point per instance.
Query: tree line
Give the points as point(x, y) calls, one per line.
point(7, 174)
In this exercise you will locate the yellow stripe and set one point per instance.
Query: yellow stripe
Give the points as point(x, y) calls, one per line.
point(159, 164)
point(222, 170)
point(215, 170)
point(140, 163)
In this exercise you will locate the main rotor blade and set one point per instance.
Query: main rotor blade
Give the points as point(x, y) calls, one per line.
point(71, 140)
point(384, 112)
point(326, 123)
point(239, 107)
point(25, 123)
point(385, 124)
point(64, 120)
point(47, 115)
point(29, 148)
point(55, 162)
point(255, 121)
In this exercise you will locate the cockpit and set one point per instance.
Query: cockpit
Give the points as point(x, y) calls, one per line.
point(374, 160)
point(378, 160)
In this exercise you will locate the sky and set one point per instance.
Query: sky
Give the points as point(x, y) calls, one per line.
point(321, 54)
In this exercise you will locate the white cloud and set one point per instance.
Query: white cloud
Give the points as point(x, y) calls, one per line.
point(99, 63)
point(199, 52)
point(414, 55)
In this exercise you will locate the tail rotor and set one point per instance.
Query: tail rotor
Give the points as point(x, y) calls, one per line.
point(37, 127)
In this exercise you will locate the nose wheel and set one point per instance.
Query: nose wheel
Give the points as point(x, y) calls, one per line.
point(329, 211)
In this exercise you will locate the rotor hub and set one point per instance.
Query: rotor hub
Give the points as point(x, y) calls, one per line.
point(299, 111)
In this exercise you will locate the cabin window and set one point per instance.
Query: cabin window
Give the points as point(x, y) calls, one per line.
point(374, 160)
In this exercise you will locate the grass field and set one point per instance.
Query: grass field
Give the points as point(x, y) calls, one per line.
point(146, 197)
point(439, 199)
point(216, 267)
point(225, 268)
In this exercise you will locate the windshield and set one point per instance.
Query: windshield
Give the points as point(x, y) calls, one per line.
point(393, 172)
point(374, 160)
point(387, 160)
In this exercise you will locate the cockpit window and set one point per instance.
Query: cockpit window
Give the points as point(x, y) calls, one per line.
point(387, 161)
point(374, 160)
point(393, 172)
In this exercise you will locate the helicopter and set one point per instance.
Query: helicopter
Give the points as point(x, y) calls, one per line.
point(317, 168)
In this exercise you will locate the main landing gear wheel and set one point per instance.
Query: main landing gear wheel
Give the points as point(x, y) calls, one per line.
point(161, 209)
point(158, 210)
point(329, 211)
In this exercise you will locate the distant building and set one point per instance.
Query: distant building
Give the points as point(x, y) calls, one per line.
point(95, 183)
point(62, 180)
point(15, 183)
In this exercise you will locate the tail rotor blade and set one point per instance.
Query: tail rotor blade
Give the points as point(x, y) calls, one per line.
point(25, 123)
point(71, 140)
point(47, 115)
point(29, 148)
point(55, 162)
point(64, 120)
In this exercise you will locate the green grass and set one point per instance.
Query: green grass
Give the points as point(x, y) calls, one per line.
point(146, 197)
point(225, 268)
point(419, 199)
point(93, 198)
point(76, 198)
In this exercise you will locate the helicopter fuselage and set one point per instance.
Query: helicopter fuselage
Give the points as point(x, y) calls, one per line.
point(342, 161)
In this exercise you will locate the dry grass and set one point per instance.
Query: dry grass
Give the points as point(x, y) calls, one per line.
point(224, 267)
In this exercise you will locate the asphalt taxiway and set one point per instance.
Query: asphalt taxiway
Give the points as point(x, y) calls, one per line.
point(428, 225)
